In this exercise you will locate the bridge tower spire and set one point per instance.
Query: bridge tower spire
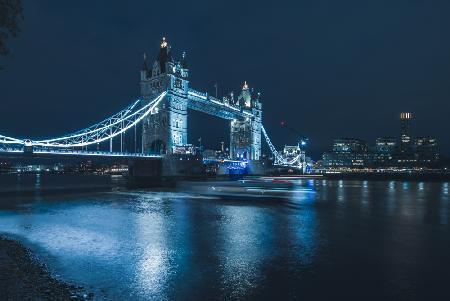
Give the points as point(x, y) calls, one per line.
point(166, 129)
point(144, 70)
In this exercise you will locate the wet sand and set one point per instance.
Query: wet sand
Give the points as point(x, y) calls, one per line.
point(22, 277)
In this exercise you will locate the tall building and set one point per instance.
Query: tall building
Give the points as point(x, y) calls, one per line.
point(405, 133)
point(348, 153)
point(427, 151)
point(349, 145)
point(385, 150)
point(386, 145)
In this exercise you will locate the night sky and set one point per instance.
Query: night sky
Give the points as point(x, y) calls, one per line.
point(328, 68)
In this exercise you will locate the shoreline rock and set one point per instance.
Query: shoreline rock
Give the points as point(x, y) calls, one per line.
point(23, 277)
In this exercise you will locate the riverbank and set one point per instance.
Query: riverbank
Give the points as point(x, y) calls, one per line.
point(390, 176)
point(22, 277)
point(32, 185)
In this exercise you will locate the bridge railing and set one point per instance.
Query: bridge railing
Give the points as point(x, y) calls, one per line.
point(11, 149)
point(75, 152)
point(93, 153)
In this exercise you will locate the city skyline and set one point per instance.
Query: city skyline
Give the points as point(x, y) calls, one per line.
point(277, 61)
point(387, 152)
point(224, 150)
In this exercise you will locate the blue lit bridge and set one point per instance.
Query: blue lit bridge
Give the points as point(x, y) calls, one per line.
point(156, 123)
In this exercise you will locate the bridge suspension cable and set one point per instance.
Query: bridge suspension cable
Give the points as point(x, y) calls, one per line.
point(104, 130)
point(9, 140)
point(279, 159)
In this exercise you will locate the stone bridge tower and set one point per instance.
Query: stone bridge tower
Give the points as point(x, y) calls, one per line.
point(166, 127)
point(245, 134)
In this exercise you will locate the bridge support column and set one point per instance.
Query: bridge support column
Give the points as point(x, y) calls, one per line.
point(245, 134)
point(245, 139)
point(166, 127)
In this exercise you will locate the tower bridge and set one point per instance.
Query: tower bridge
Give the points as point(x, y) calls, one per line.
point(165, 131)
point(160, 115)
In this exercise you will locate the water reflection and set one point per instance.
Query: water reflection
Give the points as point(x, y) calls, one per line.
point(445, 208)
point(244, 239)
point(420, 186)
point(392, 186)
point(445, 188)
point(143, 245)
point(405, 185)
point(154, 256)
point(37, 183)
point(304, 227)
point(365, 198)
point(37, 186)
point(341, 192)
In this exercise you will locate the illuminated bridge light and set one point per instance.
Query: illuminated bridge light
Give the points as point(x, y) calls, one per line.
point(119, 124)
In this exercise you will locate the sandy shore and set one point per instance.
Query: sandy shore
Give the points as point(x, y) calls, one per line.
point(22, 277)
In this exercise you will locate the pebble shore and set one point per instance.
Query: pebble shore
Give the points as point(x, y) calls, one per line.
point(23, 278)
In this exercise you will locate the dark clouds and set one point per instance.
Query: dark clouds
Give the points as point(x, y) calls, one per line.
point(329, 68)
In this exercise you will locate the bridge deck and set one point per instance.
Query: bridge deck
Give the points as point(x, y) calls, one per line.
point(73, 153)
point(207, 104)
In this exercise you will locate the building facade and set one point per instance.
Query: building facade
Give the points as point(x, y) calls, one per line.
point(386, 149)
point(426, 150)
point(347, 153)
point(406, 145)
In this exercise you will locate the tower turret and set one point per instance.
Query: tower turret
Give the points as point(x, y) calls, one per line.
point(164, 62)
point(144, 69)
point(184, 61)
point(245, 98)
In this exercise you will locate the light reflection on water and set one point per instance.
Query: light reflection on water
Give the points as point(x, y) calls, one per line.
point(243, 248)
point(143, 245)
point(153, 263)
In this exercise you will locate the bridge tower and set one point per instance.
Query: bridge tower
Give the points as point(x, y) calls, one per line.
point(166, 127)
point(245, 134)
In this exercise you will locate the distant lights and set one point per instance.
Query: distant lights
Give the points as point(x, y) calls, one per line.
point(405, 116)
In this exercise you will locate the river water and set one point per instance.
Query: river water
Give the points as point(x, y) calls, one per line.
point(357, 240)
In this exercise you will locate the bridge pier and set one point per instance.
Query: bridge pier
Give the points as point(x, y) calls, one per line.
point(165, 171)
point(144, 173)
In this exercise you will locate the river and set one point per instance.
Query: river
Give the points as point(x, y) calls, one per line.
point(359, 240)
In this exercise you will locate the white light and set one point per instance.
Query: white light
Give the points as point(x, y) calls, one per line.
point(93, 139)
point(94, 127)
